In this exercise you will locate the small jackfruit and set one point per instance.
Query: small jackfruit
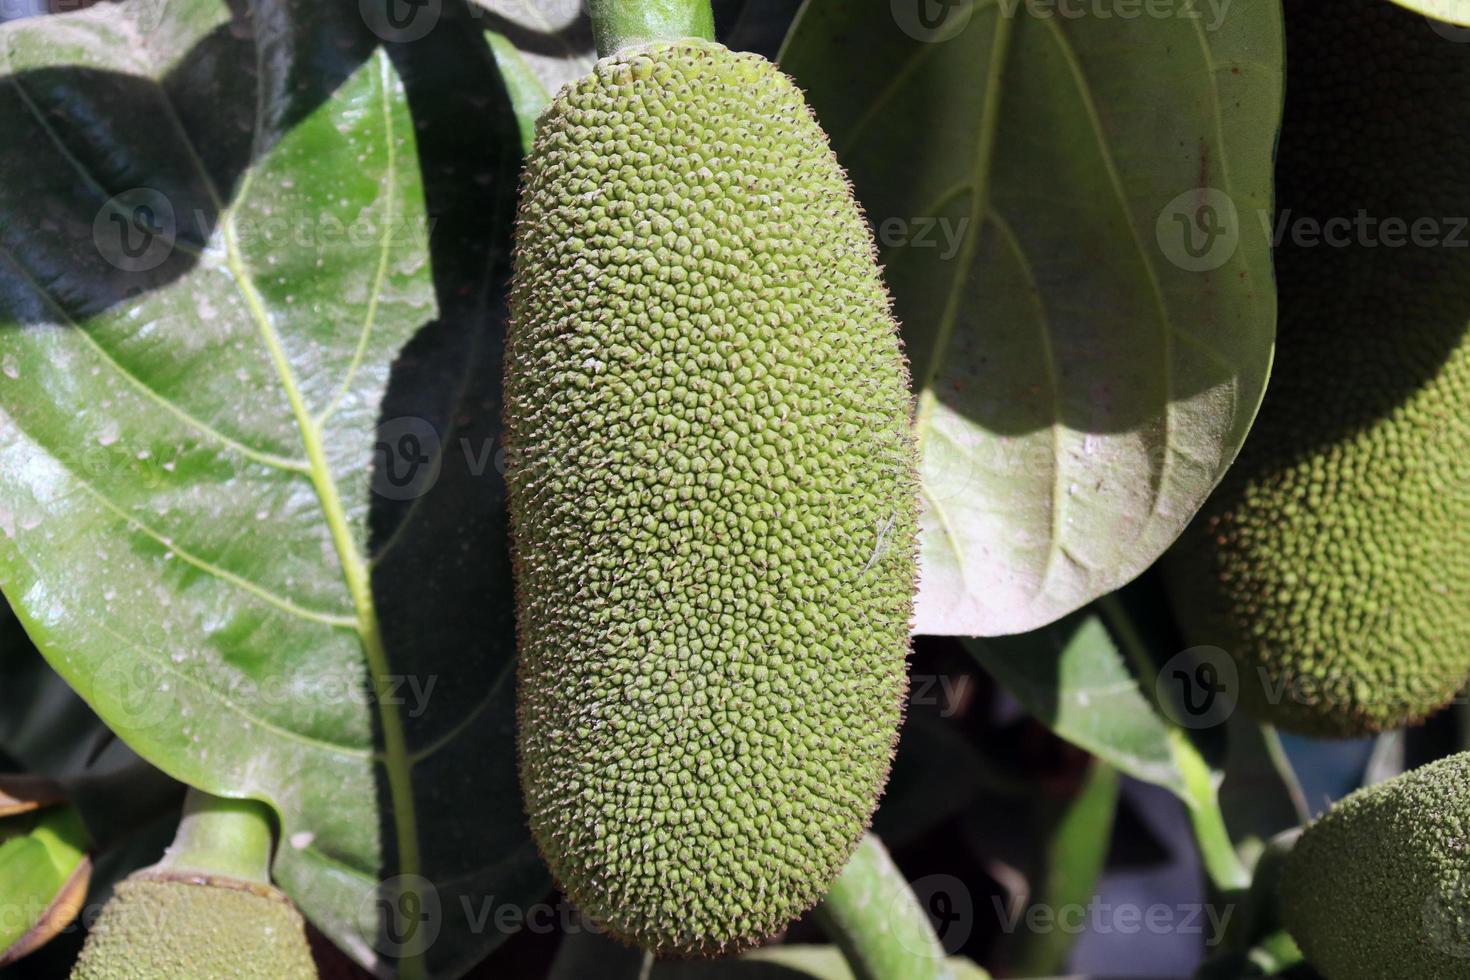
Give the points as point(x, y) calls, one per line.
point(713, 490)
point(163, 926)
point(1380, 886)
point(1334, 559)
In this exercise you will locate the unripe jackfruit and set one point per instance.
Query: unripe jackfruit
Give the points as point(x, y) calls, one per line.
point(162, 926)
point(1380, 886)
point(713, 488)
point(1334, 560)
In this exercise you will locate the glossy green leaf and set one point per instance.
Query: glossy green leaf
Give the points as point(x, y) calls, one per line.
point(1446, 11)
point(1081, 677)
point(528, 96)
point(248, 418)
point(1067, 208)
point(44, 872)
point(1072, 678)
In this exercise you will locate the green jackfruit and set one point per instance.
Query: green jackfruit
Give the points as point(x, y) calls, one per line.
point(176, 927)
point(713, 489)
point(1380, 886)
point(1334, 560)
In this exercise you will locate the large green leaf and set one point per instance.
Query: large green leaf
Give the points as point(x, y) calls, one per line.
point(1067, 207)
point(248, 418)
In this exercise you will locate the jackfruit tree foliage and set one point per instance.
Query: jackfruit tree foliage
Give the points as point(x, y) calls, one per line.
point(1334, 561)
point(714, 500)
point(1380, 886)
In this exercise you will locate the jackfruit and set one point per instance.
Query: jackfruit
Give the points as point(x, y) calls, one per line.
point(1380, 886)
point(161, 926)
point(1334, 559)
point(713, 492)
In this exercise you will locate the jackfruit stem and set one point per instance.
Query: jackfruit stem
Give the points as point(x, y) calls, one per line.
point(224, 838)
point(618, 24)
point(873, 916)
point(1222, 864)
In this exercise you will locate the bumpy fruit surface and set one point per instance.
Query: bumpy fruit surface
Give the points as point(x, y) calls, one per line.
point(161, 928)
point(714, 500)
point(1334, 560)
point(1380, 886)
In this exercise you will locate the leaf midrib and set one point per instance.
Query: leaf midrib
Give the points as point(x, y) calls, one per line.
point(355, 570)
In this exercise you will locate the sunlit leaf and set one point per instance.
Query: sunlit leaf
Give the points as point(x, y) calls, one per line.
point(1068, 210)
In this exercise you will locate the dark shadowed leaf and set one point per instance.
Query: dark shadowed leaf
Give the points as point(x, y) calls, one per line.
point(249, 400)
point(1068, 208)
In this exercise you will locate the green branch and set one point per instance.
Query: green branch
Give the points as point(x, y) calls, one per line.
point(873, 917)
point(619, 24)
point(1222, 864)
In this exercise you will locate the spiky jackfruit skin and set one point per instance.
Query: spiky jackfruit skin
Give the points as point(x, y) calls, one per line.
point(1334, 560)
point(713, 489)
point(158, 927)
point(1380, 886)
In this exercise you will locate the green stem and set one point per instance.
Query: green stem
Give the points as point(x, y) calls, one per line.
point(229, 838)
point(874, 918)
point(1222, 864)
point(618, 24)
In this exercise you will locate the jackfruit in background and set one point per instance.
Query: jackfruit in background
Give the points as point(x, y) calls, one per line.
point(168, 926)
point(714, 496)
point(1334, 560)
point(1380, 886)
